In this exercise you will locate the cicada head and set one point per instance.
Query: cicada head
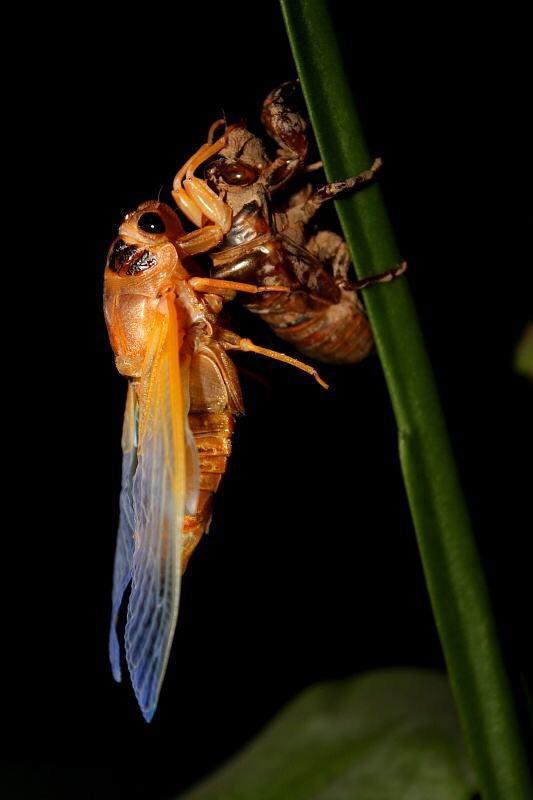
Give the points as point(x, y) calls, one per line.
point(141, 266)
point(144, 240)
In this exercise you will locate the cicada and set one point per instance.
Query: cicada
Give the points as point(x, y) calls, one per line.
point(269, 241)
point(182, 401)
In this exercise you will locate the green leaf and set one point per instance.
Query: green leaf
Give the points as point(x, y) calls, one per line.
point(390, 735)
point(523, 355)
point(456, 583)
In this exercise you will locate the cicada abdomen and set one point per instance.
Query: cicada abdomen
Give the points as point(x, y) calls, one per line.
point(215, 401)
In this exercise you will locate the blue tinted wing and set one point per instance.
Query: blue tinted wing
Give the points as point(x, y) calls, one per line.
point(124, 548)
point(159, 500)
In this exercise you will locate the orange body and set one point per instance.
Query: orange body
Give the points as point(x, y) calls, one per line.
point(143, 269)
point(183, 397)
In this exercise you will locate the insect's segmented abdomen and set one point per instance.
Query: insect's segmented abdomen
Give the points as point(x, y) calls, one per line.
point(322, 321)
point(212, 433)
point(338, 333)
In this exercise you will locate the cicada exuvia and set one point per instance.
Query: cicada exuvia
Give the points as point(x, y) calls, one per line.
point(270, 241)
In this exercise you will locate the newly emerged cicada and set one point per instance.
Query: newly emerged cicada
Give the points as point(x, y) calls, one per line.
point(183, 397)
point(269, 242)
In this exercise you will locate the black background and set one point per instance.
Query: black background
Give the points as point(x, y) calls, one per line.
point(311, 570)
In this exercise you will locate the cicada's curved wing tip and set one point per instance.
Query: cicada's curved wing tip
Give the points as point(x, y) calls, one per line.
point(149, 713)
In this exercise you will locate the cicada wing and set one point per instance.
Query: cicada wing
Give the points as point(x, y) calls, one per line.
point(160, 489)
point(126, 526)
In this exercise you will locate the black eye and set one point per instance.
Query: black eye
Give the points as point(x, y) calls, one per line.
point(238, 174)
point(150, 222)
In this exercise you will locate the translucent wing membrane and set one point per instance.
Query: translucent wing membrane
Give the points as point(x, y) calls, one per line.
point(126, 526)
point(158, 501)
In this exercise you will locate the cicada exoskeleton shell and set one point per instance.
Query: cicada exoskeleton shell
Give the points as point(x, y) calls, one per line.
point(269, 242)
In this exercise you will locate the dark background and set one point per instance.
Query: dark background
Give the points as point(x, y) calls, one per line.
point(311, 570)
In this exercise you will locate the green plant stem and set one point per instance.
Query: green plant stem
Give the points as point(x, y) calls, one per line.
point(453, 572)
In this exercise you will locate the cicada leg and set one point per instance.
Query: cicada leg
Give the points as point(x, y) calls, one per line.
point(382, 277)
point(231, 341)
point(199, 241)
point(330, 248)
point(302, 213)
point(227, 289)
point(198, 203)
point(288, 128)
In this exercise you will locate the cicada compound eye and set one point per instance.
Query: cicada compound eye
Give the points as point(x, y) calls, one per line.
point(151, 222)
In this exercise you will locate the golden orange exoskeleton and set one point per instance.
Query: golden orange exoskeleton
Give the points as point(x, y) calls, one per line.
point(183, 397)
point(269, 242)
